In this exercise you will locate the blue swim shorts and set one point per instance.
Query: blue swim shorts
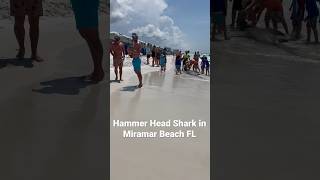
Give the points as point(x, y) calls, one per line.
point(86, 13)
point(136, 62)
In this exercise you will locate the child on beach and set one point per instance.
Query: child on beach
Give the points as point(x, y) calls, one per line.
point(205, 65)
point(178, 64)
point(312, 18)
point(163, 61)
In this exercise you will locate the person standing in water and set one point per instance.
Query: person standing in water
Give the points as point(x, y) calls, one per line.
point(134, 53)
point(33, 9)
point(86, 13)
point(118, 53)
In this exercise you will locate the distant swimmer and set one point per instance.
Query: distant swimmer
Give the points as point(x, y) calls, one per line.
point(118, 53)
point(33, 9)
point(134, 53)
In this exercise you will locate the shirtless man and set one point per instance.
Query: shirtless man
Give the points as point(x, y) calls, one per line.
point(86, 14)
point(118, 53)
point(134, 53)
point(33, 9)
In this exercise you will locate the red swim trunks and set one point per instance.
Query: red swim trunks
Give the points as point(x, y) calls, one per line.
point(273, 5)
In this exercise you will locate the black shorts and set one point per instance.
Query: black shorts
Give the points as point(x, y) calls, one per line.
point(237, 5)
point(148, 55)
point(153, 54)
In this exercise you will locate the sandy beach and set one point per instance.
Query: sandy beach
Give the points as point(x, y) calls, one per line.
point(53, 125)
point(265, 107)
point(163, 96)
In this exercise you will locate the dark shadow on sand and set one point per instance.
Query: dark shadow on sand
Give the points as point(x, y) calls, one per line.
point(194, 74)
point(130, 88)
point(27, 63)
point(65, 86)
point(115, 81)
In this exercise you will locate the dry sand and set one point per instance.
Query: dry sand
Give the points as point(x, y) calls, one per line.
point(51, 8)
point(266, 120)
point(53, 126)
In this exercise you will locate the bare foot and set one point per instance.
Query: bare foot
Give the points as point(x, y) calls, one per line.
point(37, 58)
point(140, 86)
point(97, 77)
point(20, 54)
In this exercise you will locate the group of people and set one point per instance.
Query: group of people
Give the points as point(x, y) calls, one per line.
point(246, 13)
point(118, 52)
point(183, 62)
point(86, 15)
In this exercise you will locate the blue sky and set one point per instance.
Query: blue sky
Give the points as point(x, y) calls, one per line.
point(183, 24)
point(197, 15)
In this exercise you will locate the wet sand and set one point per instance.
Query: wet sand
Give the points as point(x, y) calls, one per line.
point(53, 125)
point(266, 117)
point(163, 96)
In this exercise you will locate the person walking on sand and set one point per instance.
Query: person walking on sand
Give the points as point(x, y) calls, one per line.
point(118, 52)
point(163, 61)
point(134, 53)
point(312, 19)
point(33, 9)
point(153, 54)
point(178, 64)
point(148, 51)
point(86, 13)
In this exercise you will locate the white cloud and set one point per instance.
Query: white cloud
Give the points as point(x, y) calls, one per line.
point(147, 19)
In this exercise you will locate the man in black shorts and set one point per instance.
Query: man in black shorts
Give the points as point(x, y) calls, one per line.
point(236, 8)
